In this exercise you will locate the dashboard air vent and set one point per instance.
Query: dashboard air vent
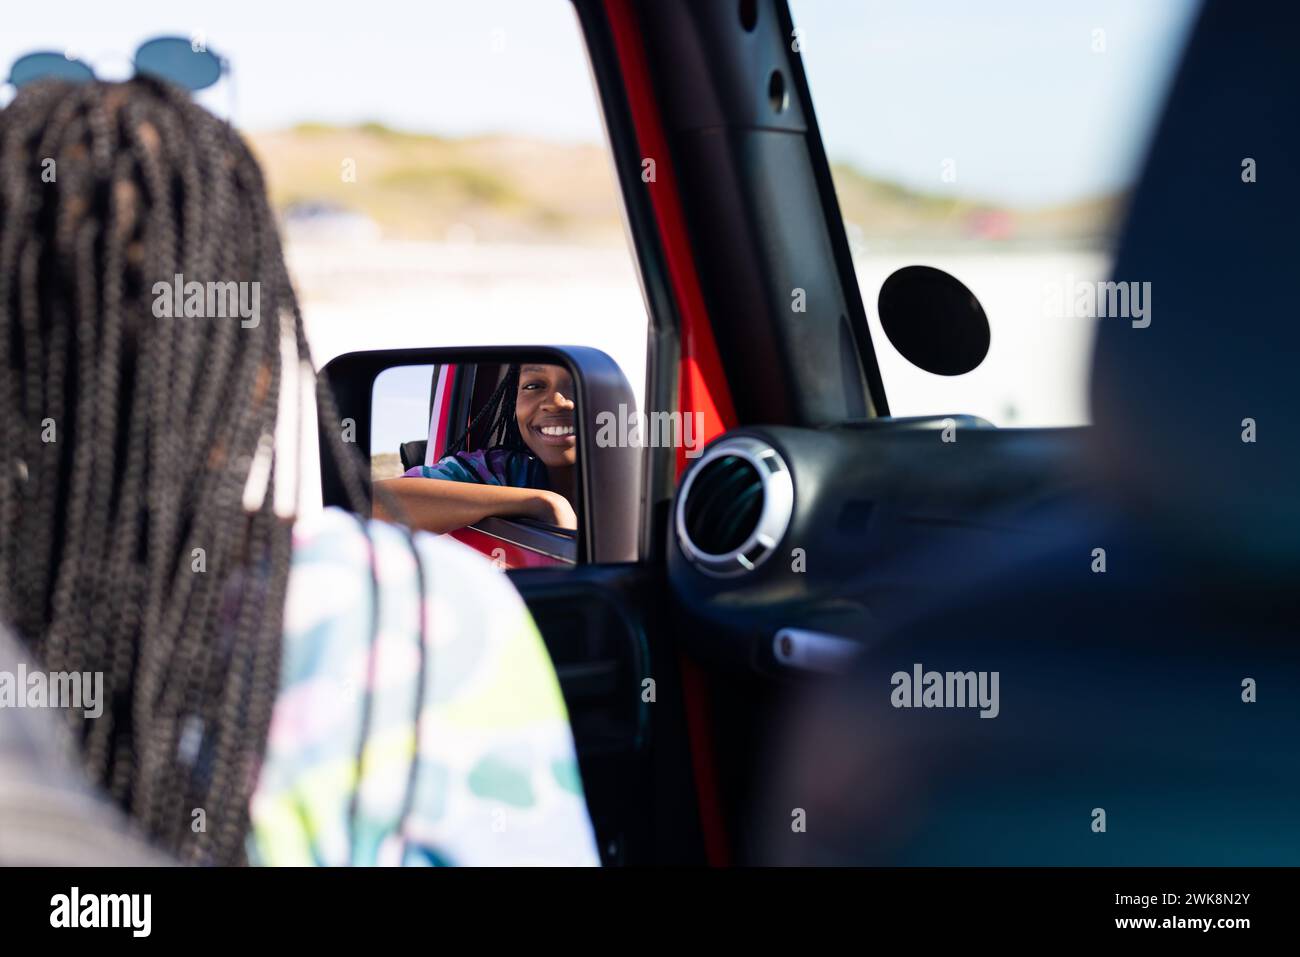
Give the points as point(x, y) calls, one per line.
point(734, 506)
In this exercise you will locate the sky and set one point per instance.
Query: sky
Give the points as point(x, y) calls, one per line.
point(399, 410)
point(462, 67)
point(1011, 90)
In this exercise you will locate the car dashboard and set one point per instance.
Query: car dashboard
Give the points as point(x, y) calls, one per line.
point(791, 548)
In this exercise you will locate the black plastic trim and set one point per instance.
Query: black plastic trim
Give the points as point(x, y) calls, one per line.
point(763, 216)
point(534, 536)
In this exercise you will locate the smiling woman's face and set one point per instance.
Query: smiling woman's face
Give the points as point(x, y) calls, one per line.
point(544, 408)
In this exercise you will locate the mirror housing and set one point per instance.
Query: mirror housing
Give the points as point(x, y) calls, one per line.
point(609, 476)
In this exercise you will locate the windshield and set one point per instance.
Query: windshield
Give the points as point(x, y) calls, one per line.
point(439, 168)
point(998, 142)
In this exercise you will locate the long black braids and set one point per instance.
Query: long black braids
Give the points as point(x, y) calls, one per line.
point(127, 439)
point(499, 414)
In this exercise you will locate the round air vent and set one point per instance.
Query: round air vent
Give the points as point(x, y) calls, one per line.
point(734, 506)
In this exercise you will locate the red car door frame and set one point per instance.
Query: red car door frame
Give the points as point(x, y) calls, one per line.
point(677, 79)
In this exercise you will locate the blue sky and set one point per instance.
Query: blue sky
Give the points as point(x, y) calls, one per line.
point(457, 67)
point(1009, 89)
point(400, 407)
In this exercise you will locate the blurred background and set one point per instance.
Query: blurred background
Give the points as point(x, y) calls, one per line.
point(442, 176)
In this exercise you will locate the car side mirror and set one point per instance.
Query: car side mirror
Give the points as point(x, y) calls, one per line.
point(422, 415)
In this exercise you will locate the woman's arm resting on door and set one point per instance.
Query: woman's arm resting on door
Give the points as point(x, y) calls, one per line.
point(437, 505)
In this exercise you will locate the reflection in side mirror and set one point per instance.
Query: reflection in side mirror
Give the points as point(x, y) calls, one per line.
point(497, 448)
point(473, 448)
point(400, 408)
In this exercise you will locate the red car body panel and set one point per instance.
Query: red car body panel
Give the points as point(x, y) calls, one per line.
point(441, 411)
point(504, 552)
point(702, 387)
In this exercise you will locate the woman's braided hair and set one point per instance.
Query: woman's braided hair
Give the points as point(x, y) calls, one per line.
point(499, 414)
point(126, 442)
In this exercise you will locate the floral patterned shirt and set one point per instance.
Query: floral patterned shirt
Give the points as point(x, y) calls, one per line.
point(487, 467)
point(492, 775)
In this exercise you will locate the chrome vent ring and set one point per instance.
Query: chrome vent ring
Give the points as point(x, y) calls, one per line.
point(734, 507)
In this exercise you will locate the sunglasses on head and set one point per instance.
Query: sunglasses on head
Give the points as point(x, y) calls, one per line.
point(175, 59)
